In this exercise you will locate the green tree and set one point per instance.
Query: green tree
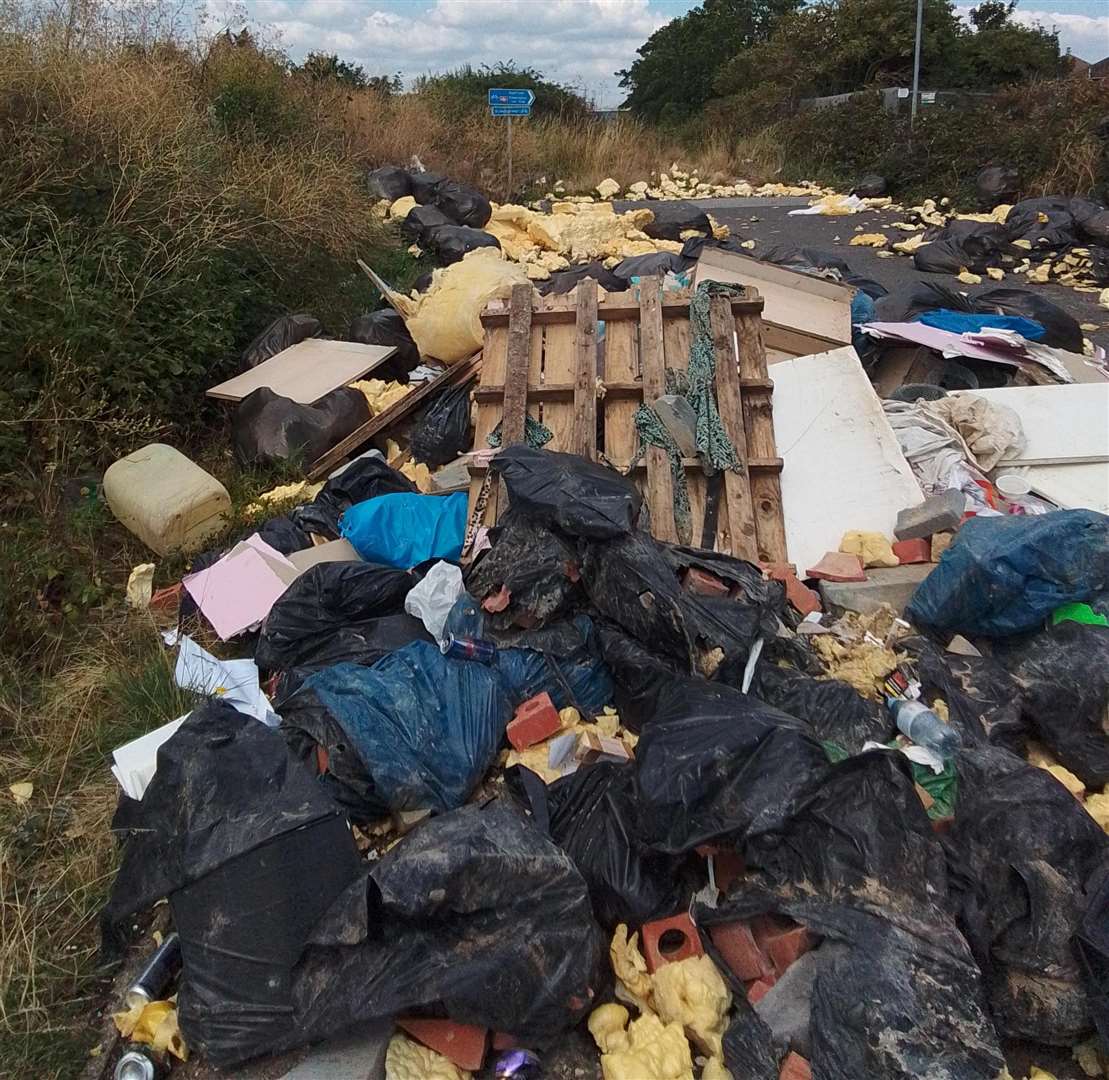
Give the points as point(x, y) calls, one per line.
point(1003, 52)
point(467, 88)
point(677, 66)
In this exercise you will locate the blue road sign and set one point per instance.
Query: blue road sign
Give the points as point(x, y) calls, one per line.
point(512, 97)
point(511, 110)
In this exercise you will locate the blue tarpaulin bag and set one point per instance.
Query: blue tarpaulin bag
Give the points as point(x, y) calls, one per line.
point(404, 530)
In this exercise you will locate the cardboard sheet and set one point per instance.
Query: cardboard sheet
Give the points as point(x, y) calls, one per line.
point(843, 468)
point(305, 372)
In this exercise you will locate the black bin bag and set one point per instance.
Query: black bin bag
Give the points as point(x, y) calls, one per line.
point(251, 853)
point(715, 764)
point(1025, 848)
point(442, 432)
point(389, 182)
point(591, 814)
point(639, 675)
point(364, 478)
point(267, 427)
point(280, 334)
point(386, 327)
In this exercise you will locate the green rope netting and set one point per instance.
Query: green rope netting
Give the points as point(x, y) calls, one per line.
point(696, 385)
point(536, 435)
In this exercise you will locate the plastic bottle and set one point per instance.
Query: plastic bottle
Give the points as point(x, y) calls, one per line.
point(924, 727)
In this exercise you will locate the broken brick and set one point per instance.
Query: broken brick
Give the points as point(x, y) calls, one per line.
point(727, 866)
point(913, 551)
point(701, 582)
point(535, 720)
point(167, 599)
point(757, 990)
point(464, 1044)
point(838, 566)
point(795, 1067)
point(667, 940)
point(782, 940)
point(497, 601)
point(736, 945)
point(804, 599)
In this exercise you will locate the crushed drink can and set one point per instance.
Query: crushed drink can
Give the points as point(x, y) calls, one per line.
point(135, 1065)
point(159, 973)
point(468, 648)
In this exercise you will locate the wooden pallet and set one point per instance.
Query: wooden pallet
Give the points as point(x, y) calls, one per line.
point(541, 359)
point(385, 419)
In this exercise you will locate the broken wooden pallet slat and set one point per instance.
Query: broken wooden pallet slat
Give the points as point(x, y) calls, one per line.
point(660, 485)
point(585, 384)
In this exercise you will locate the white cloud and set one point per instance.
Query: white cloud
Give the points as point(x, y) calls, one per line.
point(1086, 36)
point(578, 42)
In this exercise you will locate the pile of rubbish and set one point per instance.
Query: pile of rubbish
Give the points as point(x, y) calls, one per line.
point(554, 794)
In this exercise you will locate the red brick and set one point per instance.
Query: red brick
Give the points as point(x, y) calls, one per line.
point(913, 551)
point(651, 935)
point(804, 599)
point(736, 944)
point(837, 566)
point(464, 1044)
point(779, 571)
point(758, 989)
point(782, 940)
point(701, 582)
point(726, 867)
point(535, 720)
point(795, 1067)
point(167, 599)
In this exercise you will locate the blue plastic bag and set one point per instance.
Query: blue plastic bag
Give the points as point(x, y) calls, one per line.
point(1006, 575)
point(967, 322)
point(404, 530)
point(426, 727)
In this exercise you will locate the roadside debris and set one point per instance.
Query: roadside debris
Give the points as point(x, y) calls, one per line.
point(488, 755)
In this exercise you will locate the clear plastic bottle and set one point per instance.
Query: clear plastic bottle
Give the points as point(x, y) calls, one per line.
point(924, 727)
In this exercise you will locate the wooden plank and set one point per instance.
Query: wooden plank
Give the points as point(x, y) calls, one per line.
point(676, 333)
point(623, 338)
point(560, 365)
point(362, 435)
point(758, 423)
point(660, 488)
point(843, 466)
point(610, 311)
point(493, 367)
point(740, 510)
point(623, 391)
point(307, 371)
point(783, 343)
point(517, 361)
point(585, 383)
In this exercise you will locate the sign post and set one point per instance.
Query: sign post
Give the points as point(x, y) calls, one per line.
point(510, 103)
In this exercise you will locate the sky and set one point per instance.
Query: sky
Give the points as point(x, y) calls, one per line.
point(578, 42)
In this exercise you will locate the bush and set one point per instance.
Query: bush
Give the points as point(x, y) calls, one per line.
point(466, 89)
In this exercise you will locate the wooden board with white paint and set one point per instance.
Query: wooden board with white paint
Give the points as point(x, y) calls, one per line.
point(794, 301)
point(1063, 425)
point(843, 468)
point(305, 372)
point(1072, 487)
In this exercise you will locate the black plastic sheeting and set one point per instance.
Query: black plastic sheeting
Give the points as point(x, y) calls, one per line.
point(562, 281)
point(1047, 223)
point(660, 263)
point(591, 814)
point(1005, 575)
point(567, 492)
point(860, 864)
point(389, 182)
point(673, 217)
point(909, 301)
point(1091, 945)
point(448, 243)
point(386, 327)
point(714, 764)
point(364, 478)
point(962, 245)
point(442, 431)
point(1063, 329)
point(1092, 220)
point(416, 731)
point(1026, 848)
point(330, 602)
point(639, 675)
point(267, 427)
point(1063, 674)
point(633, 582)
point(536, 565)
point(280, 334)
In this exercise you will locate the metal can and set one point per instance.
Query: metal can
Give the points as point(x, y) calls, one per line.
point(135, 1065)
point(468, 648)
point(158, 976)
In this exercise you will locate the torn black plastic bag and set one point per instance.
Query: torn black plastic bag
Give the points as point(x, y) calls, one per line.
point(1062, 329)
point(1026, 848)
point(632, 581)
point(1063, 675)
point(251, 853)
point(591, 814)
point(834, 711)
point(365, 477)
point(475, 915)
point(464, 205)
point(715, 764)
point(280, 334)
point(673, 217)
point(568, 492)
point(562, 281)
point(267, 427)
point(1091, 944)
point(1005, 575)
point(538, 567)
point(442, 431)
point(389, 182)
point(386, 327)
point(416, 731)
point(659, 263)
point(1047, 223)
point(962, 245)
point(983, 701)
point(639, 676)
point(328, 601)
point(909, 301)
point(448, 243)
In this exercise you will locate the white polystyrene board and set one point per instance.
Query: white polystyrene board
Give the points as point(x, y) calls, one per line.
point(842, 466)
point(307, 371)
point(1063, 425)
point(1073, 487)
